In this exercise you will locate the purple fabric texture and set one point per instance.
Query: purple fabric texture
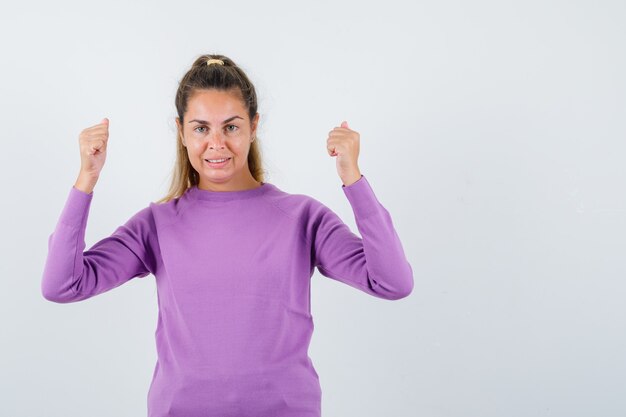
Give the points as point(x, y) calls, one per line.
point(232, 272)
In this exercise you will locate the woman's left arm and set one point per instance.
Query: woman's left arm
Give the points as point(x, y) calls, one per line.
point(374, 263)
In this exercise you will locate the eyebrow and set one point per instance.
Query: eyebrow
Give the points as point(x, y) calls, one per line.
point(207, 123)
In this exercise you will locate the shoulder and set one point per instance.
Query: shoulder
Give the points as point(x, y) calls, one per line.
point(140, 223)
point(305, 211)
point(168, 212)
point(295, 205)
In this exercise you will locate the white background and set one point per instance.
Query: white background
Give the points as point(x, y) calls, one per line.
point(492, 131)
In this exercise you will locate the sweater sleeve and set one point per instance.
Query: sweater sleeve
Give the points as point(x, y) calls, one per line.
point(72, 275)
point(375, 262)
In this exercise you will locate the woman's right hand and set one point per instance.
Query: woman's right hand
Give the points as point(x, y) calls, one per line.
point(93, 145)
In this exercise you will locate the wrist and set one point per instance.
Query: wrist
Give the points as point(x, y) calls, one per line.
point(86, 183)
point(351, 179)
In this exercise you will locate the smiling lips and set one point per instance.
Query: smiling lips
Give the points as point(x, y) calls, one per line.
point(216, 163)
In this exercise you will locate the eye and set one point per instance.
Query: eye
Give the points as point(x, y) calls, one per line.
point(199, 127)
point(235, 126)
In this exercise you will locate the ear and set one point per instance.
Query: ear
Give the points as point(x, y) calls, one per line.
point(255, 123)
point(180, 130)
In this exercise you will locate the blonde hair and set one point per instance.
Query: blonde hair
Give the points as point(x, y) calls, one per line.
point(226, 77)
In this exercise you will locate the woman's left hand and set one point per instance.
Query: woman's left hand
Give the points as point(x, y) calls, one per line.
point(343, 143)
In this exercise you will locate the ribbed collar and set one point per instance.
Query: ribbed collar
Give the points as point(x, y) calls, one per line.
point(199, 194)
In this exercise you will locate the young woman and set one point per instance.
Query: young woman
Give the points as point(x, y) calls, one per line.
point(232, 256)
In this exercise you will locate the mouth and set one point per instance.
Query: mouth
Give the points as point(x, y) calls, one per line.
point(217, 163)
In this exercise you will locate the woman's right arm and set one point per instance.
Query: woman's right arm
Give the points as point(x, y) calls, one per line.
point(71, 274)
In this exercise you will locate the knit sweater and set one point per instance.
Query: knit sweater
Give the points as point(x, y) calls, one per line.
point(232, 272)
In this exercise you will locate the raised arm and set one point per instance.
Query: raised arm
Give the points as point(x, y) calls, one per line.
point(374, 263)
point(69, 273)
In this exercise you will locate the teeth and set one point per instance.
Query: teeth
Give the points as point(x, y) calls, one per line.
point(217, 160)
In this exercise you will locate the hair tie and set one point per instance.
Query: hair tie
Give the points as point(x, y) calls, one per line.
point(214, 61)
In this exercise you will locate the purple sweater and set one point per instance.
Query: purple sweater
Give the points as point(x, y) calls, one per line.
point(233, 273)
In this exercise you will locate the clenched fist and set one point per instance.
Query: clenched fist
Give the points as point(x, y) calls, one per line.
point(343, 143)
point(93, 145)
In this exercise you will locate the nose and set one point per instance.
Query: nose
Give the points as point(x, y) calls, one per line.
point(216, 141)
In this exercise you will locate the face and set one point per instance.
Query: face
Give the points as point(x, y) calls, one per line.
point(216, 126)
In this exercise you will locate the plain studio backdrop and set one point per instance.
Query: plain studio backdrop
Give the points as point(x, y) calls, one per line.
point(493, 132)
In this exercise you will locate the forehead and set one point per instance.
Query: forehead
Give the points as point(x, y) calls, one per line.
point(215, 103)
